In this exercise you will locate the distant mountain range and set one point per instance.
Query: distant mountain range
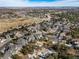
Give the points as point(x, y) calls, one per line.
point(40, 7)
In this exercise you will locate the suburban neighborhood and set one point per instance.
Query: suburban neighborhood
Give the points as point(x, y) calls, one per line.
point(39, 33)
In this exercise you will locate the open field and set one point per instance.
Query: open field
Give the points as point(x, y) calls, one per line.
point(10, 24)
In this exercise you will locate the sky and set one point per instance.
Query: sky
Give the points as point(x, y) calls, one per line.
point(38, 3)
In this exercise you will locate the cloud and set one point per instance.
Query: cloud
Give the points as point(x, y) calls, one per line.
point(12, 3)
point(27, 3)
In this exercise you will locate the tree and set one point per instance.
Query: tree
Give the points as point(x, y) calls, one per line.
point(27, 49)
point(1, 54)
point(14, 41)
point(16, 56)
